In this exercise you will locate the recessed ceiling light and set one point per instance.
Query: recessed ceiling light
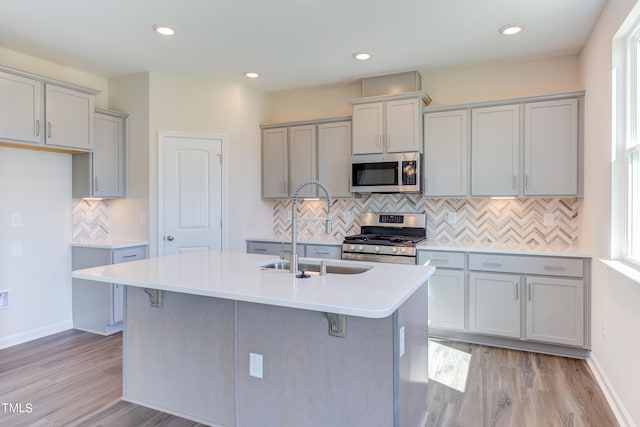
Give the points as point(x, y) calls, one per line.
point(510, 30)
point(361, 56)
point(252, 75)
point(164, 30)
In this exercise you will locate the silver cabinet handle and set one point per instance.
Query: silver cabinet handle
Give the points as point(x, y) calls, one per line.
point(95, 183)
point(529, 286)
point(492, 264)
point(514, 184)
point(37, 127)
point(526, 181)
point(517, 291)
point(49, 130)
point(129, 256)
point(554, 267)
point(260, 249)
point(170, 238)
point(442, 260)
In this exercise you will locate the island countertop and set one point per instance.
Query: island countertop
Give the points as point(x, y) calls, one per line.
point(375, 293)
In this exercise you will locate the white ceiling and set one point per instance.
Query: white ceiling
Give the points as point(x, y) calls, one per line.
point(291, 43)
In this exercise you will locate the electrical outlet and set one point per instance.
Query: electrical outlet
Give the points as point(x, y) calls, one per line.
point(549, 218)
point(4, 299)
point(348, 217)
point(452, 218)
point(255, 365)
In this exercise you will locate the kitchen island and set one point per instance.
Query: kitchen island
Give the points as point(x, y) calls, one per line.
point(222, 339)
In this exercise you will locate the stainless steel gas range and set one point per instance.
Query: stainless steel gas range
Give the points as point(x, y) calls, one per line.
point(386, 237)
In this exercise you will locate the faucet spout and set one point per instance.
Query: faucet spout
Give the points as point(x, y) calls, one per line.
point(293, 265)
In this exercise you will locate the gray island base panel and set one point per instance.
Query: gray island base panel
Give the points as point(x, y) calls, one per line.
point(191, 356)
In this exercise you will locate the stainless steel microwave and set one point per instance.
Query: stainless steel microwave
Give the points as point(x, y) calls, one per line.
point(386, 173)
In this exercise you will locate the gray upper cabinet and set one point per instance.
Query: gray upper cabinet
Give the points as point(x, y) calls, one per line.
point(392, 124)
point(45, 113)
point(446, 153)
point(103, 172)
point(551, 148)
point(495, 150)
point(275, 163)
point(334, 152)
point(69, 116)
point(528, 147)
point(21, 109)
point(295, 153)
point(303, 161)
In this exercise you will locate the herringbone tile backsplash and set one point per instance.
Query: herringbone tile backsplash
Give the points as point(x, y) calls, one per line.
point(519, 221)
point(90, 220)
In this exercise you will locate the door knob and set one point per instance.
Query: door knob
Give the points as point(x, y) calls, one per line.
point(170, 238)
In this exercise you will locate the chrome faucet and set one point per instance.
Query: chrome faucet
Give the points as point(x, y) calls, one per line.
point(293, 264)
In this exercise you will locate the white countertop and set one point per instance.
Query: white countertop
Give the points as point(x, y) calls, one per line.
point(507, 248)
point(376, 293)
point(110, 244)
point(572, 251)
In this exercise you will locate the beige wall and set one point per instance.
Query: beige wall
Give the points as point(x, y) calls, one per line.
point(57, 71)
point(187, 104)
point(129, 218)
point(444, 86)
point(37, 186)
point(616, 300)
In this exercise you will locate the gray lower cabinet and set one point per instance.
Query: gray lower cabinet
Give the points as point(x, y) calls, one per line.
point(537, 303)
point(99, 307)
point(304, 249)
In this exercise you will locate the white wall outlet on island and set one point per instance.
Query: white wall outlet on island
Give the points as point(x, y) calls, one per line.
point(4, 299)
point(255, 365)
point(16, 220)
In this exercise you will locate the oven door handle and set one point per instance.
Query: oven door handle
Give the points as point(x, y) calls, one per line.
point(392, 259)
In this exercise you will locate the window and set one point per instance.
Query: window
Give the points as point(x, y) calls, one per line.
point(631, 150)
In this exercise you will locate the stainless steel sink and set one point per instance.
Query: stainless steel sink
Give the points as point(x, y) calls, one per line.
point(314, 267)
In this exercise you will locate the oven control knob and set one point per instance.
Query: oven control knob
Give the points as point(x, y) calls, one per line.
point(394, 250)
point(352, 247)
point(377, 249)
point(403, 250)
point(360, 248)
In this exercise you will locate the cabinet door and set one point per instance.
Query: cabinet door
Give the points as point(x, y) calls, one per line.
point(403, 125)
point(495, 151)
point(446, 299)
point(109, 157)
point(21, 109)
point(494, 304)
point(275, 173)
point(368, 128)
point(551, 148)
point(70, 116)
point(302, 159)
point(446, 142)
point(334, 155)
point(555, 310)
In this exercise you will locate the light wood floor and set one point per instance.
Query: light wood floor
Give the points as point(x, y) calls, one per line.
point(74, 379)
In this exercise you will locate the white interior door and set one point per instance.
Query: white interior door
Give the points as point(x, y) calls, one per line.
point(190, 192)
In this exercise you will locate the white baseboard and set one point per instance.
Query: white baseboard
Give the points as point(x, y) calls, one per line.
point(623, 417)
point(33, 334)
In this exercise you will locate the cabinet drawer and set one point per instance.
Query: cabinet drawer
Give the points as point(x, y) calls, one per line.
point(442, 259)
point(323, 251)
point(129, 254)
point(548, 266)
point(272, 248)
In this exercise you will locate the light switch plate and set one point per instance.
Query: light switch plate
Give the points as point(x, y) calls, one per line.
point(548, 219)
point(452, 217)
